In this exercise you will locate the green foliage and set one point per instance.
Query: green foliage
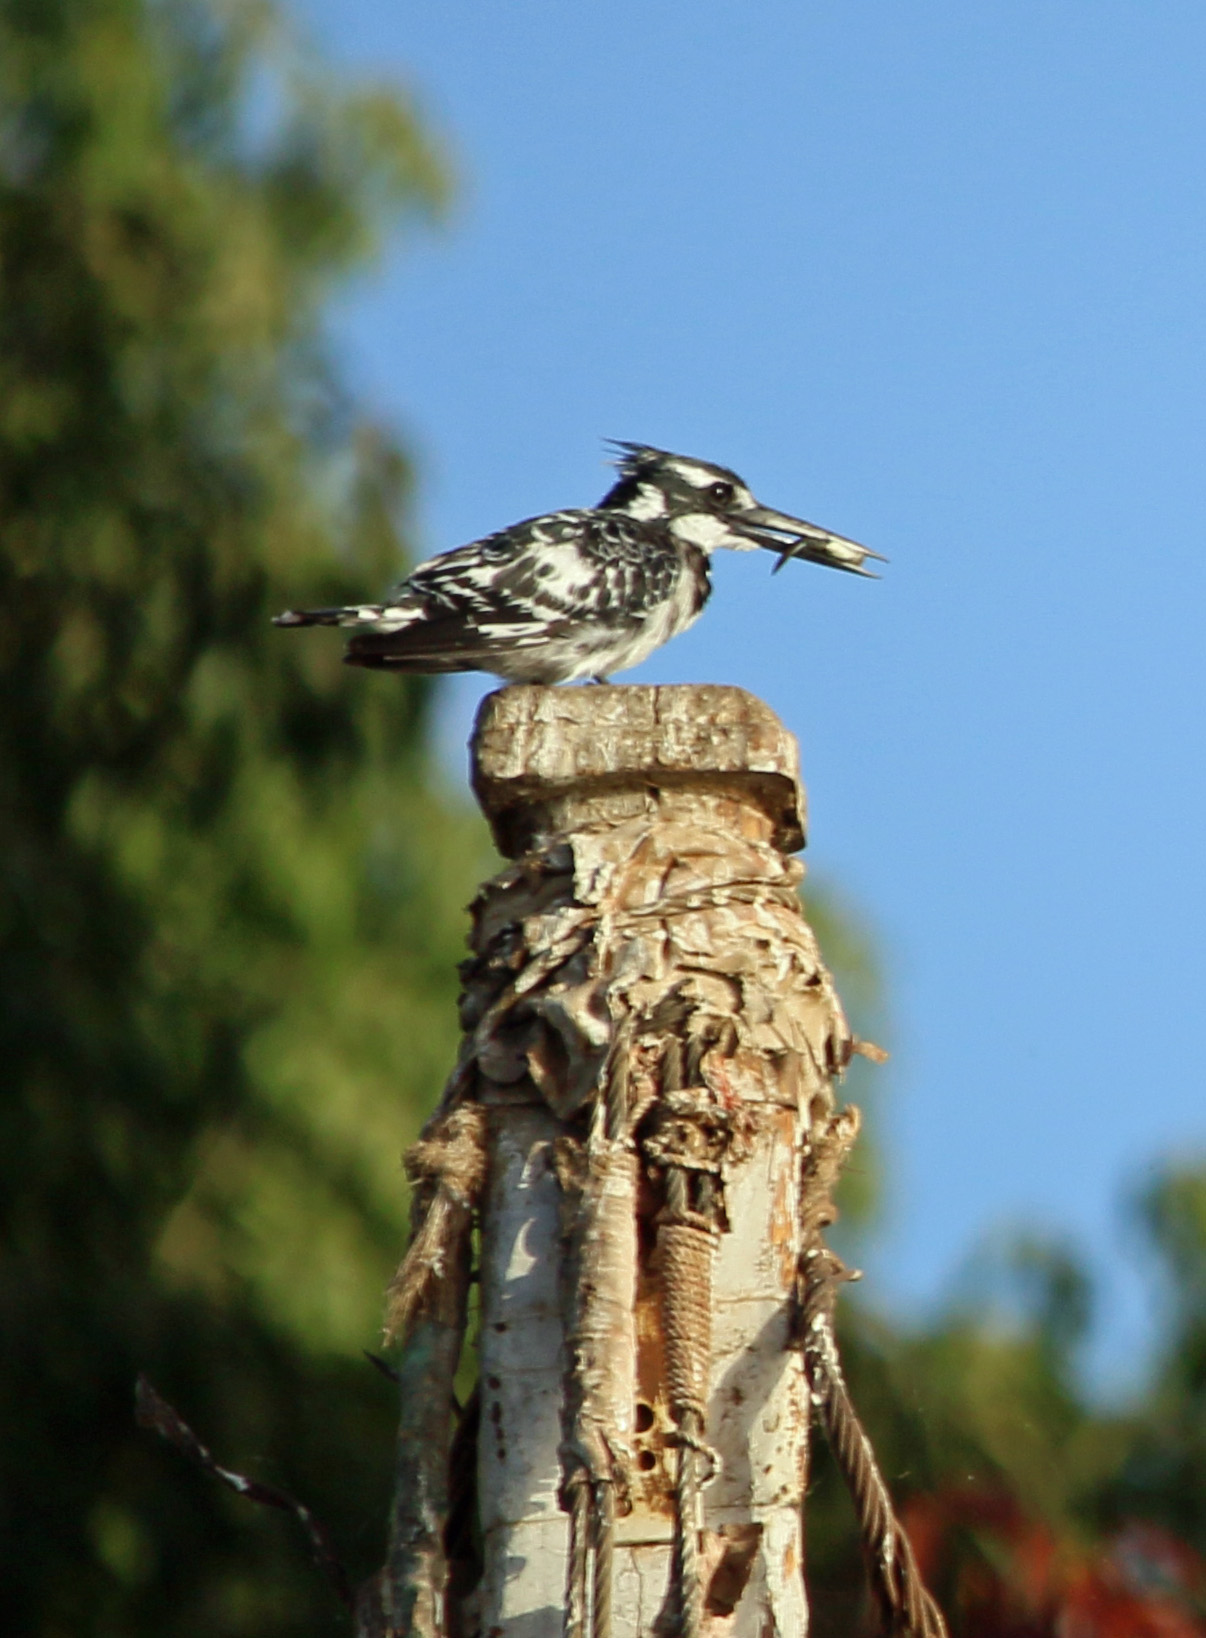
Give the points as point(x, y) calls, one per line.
point(228, 917)
point(1164, 1475)
point(1035, 1510)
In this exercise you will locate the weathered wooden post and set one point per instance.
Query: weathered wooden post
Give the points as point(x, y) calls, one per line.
point(642, 1119)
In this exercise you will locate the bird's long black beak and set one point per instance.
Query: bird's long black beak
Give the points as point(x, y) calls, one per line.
point(792, 537)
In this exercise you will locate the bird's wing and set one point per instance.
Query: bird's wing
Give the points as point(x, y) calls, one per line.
point(497, 577)
point(566, 565)
point(632, 566)
point(518, 589)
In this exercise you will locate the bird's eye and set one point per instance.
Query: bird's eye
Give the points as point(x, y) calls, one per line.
point(721, 493)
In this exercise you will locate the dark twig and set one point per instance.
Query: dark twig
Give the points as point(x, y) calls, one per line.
point(382, 1365)
point(152, 1411)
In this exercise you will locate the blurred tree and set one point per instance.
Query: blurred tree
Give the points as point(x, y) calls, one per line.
point(1035, 1512)
point(1163, 1479)
point(228, 911)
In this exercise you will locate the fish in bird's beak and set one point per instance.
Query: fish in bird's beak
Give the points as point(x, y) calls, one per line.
point(792, 537)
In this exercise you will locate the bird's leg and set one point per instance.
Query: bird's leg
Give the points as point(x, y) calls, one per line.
point(598, 679)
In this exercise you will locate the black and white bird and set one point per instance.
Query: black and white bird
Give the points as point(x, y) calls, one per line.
point(583, 593)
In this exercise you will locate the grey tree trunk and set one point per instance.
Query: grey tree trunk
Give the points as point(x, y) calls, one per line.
point(655, 828)
point(651, 1040)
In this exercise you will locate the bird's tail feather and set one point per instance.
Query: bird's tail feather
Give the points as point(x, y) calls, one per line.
point(355, 615)
point(382, 651)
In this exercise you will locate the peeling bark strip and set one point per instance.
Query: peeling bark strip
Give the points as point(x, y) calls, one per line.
point(643, 1093)
point(599, 1223)
point(446, 1169)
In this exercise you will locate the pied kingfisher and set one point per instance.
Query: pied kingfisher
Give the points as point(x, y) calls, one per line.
point(582, 593)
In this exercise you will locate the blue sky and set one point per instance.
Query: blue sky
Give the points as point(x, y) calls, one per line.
point(931, 275)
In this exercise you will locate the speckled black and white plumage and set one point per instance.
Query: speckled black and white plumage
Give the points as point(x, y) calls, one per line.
point(582, 593)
